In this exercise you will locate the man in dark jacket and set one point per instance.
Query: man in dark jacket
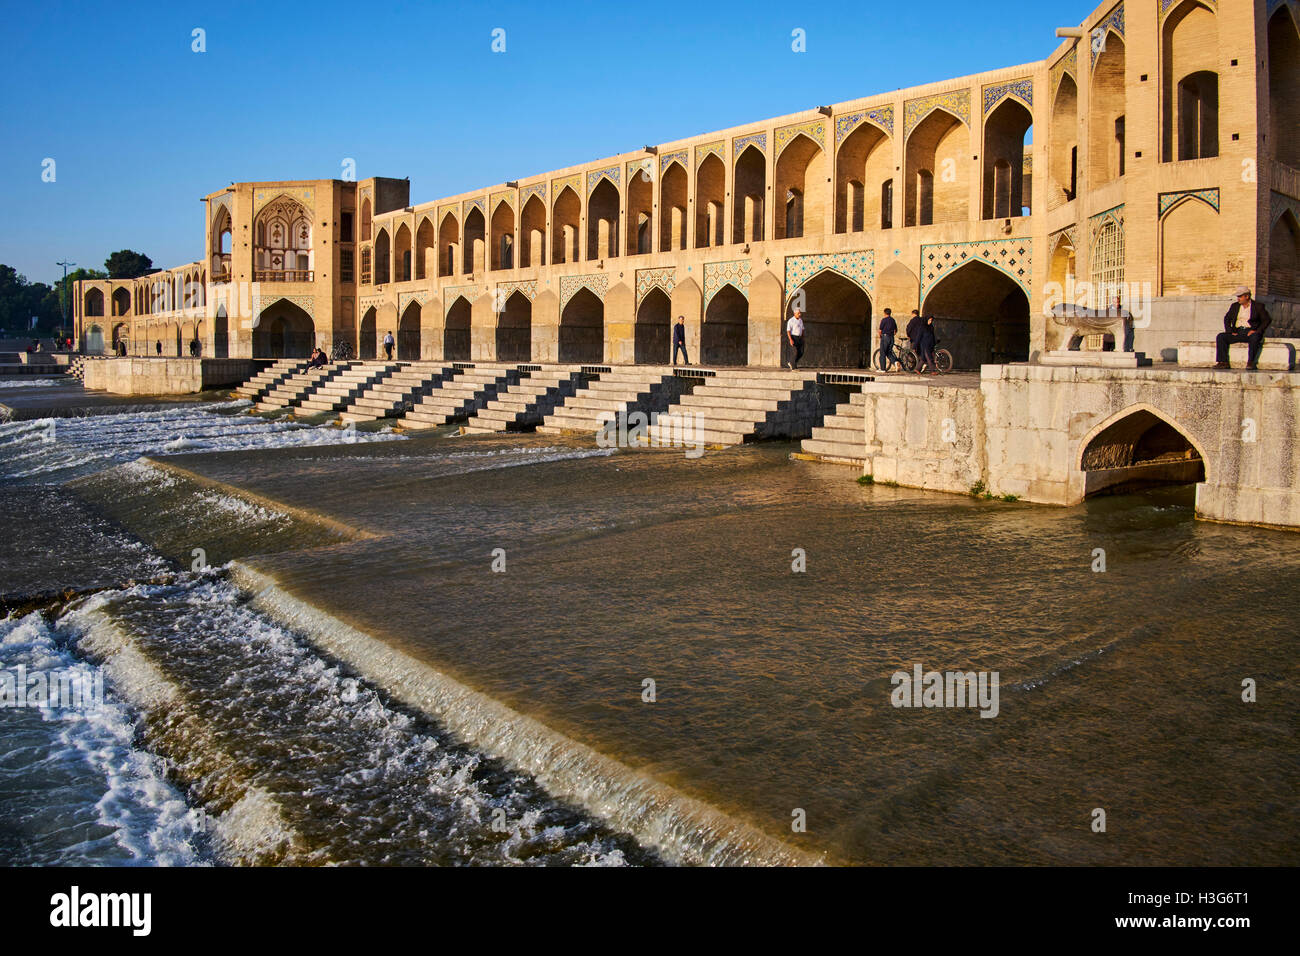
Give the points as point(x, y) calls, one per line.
point(1257, 322)
point(679, 340)
point(888, 329)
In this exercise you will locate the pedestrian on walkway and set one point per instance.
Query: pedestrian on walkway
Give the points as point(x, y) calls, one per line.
point(888, 329)
point(925, 347)
point(679, 340)
point(794, 332)
point(388, 345)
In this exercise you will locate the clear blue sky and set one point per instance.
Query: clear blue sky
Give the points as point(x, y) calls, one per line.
point(140, 127)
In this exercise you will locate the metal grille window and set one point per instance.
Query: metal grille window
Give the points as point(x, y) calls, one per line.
point(1108, 265)
point(365, 267)
point(345, 265)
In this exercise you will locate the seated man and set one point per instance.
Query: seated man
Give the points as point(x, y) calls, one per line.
point(1257, 322)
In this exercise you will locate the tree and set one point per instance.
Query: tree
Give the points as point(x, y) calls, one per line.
point(20, 300)
point(125, 264)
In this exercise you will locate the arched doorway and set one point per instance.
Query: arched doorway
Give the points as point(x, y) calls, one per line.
point(121, 302)
point(582, 329)
point(119, 336)
point(1190, 82)
point(602, 221)
point(1005, 132)
point(1284, 86)
point(455, 333)
point(448, 245)
point(515, 329)
point(1106, 114)
point(837, 321)
point(564, 226)
point(710, 192)
point(751, 180)
point(368, 342)
point(402, 254)
point(221, 334)
point(283, 330)
point(532, 233)
point(1284, 256)
point(94, 340)
point(652, 334)
point(475, 241)
point(1139, 448)
point(724, 334)
point(408, 334)
point(982, 315)
point(503, 236)
point(672, 212)
point(938, 171)
point(800, 175)
point(864, 165)
point(1063, 147)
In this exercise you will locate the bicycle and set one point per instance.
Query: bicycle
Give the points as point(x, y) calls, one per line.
point(342, 352)
point(907, 357)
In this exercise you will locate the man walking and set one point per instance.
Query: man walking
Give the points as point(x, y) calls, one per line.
point(1257, 321)
point(794, 332)
point(888, 329)
point(388, 345)
point(679, 340)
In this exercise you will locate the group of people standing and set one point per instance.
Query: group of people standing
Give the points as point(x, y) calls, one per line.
point(921, 333)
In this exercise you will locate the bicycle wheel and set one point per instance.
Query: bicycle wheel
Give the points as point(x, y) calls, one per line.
point(878, 360)
point(943, 360)
point(909, 360)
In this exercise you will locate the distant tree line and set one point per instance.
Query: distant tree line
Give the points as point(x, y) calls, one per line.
point(20, 300)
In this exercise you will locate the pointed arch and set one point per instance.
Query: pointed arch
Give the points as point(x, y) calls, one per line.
point(565, 218)
point(672, 208)
point(532, 233)
point(475, 241)
point(749, 186)
point(448, 245)
point(1189, 54)
point(503, 236)
point(426, 249)
point(602, 220)
point(1284, 86)
point(1140, 445)
point(1005, 131)
point(1284, 256)
point(937, 170)
point(863, 164)
point(402, 245)
point(710, 202)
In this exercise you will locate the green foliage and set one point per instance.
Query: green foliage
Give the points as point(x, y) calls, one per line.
point(867, 480)
point(977, 489)
point(1010, 497)
point(20, 300)
point(126, 264)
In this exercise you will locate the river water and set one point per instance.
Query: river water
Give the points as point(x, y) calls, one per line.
point(517, 649)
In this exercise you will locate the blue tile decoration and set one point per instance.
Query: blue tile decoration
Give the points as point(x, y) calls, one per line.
point(1115, 21)
point(480, 204)
point(1067, 65)
point(263, 197)
point(506, 289)
point(638, 166)
point(406, 298)
point(1280, 203)
point(678, 156)
point(956, 102)
point(594, 176)
point(858, 267)
point(369, 302)
point(450, 294)
point(1022, 90)
point(1169, 200)
point(647, 279)
point(1011, 256)
point(1070, 234)
point(1115, 214)
point(708, 149)
point(753, 139)
point(597, 284)
point(881, 116)
point(305, 302)
point(735, 273)
point(815, 130)
point(1167, 5)
point(505, 196)
point(559, 185)
point(536, 189)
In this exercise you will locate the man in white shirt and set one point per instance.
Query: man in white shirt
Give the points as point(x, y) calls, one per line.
point(794, 332)
point(388, 344)
point(1246, 321)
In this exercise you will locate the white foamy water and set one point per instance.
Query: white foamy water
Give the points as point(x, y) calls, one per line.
point(31, 382)
point(74, 789)
point(341, 775)
point(55, 449)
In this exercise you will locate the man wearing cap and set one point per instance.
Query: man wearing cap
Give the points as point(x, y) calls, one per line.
point(1246, 321)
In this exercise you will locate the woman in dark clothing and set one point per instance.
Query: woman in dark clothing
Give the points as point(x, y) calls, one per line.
point(924, 345)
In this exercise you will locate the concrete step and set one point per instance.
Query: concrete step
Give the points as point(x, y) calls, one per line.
point(845, 452)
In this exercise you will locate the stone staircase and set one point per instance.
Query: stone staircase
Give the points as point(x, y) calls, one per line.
point(615, 391)
point(339, 392)
point(739, 405)
point(397, 393)
point(524, 405)
point(459, 397)
point(297, 386)
point(275, 373)
point(842, 438)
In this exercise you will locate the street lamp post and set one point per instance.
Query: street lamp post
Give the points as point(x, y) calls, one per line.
point(63, 296)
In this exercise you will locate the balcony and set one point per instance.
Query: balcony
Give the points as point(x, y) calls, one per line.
point(284, 275)
point(221, 267)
